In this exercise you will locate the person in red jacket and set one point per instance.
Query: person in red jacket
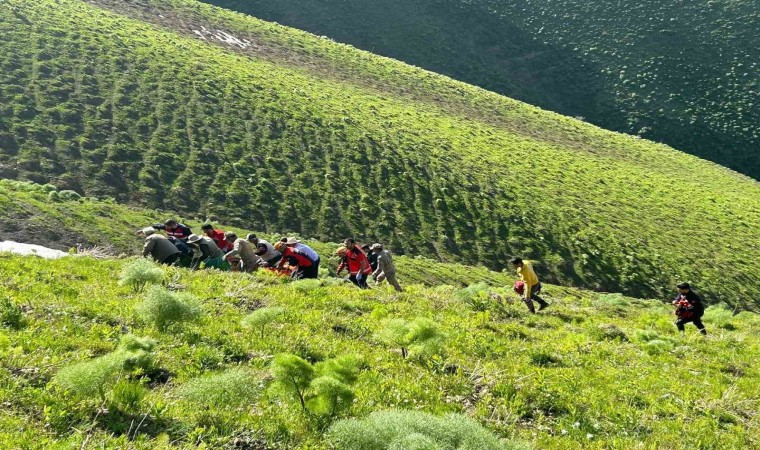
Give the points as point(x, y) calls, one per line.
point(357, 263)
point(218, 237)
point(295, 257)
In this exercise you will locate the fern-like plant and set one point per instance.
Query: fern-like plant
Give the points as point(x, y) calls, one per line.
point(93, 377)
point(420, 337)
point(163, 309)
point(233, 387)
point(139, 273)
point(413, 430)
point(260, 318)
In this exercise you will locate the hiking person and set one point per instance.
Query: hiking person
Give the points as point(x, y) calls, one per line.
point(243, 249)
point(313, 270)
point(159, 247)
point(357, 263)
point(689, 308)
point(211, 255)
point(177, 234)
point(532, 287)
point(217, 236)
point(371, 256)
point(270, 257)
point(295, 257)
point(385, 269)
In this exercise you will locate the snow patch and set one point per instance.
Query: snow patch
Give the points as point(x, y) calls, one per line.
point(31, 249)
point(223, 36)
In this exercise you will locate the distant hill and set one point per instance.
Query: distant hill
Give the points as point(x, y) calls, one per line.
point(683, 73)
point(183, 107)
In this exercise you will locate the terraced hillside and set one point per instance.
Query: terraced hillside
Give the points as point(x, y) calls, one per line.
point(180, 106)
point(83, 364)
point(683, 73)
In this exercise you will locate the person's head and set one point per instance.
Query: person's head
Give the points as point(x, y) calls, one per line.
point(261, 248)
point(291, 241)
point(230, 236)
point(517, 262)
point(349, 243)
point(193, 239)
point(377, 248)
point(252, 239)
point(171, 224)
point(280, 245)
point(147, 231)
point(684, 288)
point(366, 248)
point(341, 251)
point(208, 229)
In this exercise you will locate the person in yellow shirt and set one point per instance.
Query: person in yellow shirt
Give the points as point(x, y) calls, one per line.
point(532, 287)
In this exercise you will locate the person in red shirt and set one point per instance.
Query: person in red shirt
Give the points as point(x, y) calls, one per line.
point(357, 263)
point(218, 237)
point(295, 257)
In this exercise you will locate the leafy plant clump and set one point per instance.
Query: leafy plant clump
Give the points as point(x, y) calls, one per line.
point(139, 273)
point(231, 388)
point(420, 338)
point(413, 430)
point(322, 390)
point(260, 318)
point(93, 377)
point(11, 314)
point(163, 309)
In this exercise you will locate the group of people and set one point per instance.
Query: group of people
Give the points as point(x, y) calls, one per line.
point(215, 249)
point(226, 251)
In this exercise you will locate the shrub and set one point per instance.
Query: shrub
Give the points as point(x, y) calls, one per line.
point(233, 387)
point(610, 332)
point(67, 195)
point(397, 430)
point(128, 395)
point(475, 295)
point(163, 309)
point(92, 377)
point(720, 317)
point(11, 315)
point(139, 273)
point(323, 390)
point(260, 318)
point(420, 337)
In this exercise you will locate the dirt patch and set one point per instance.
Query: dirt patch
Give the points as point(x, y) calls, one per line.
point(51, 234)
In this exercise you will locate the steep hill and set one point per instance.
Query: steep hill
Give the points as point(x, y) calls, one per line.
point(594, 371)
point(683, 73)
point(181, 106)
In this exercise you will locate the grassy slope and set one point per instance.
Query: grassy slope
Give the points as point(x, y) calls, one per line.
point(305, 133)
point(681, 73)
point(551, 380)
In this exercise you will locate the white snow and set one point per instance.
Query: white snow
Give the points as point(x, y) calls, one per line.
point(30, 249)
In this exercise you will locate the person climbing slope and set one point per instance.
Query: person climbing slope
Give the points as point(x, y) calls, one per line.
point(249, 262)
point(689, 308)
point(385, 270)
point(295, 257)
point(358, 264)
point(371, 256)
point(313, 270)
point(177, 234)
point(532, 287)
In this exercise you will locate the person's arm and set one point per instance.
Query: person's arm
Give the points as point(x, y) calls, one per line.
point(234, 252)
point(381, 265)
point(284, 259)
point(341, 266)
point(159, 226)
point(148, 247)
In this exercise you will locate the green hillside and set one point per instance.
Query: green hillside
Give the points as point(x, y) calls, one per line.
point(683, 73)
point(594, 371)
point(214, 114)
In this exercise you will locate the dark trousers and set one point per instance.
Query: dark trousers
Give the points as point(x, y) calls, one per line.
point(697, 321)
point(171, 259)
point(312, 271)
point(534, 291)
point(361, 283)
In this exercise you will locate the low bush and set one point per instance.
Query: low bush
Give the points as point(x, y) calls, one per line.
point(163, 309)
point(93, 377)
point(407, 430)
point(260, 318)
point(719, 316)
point(139, 273)
point(420, 338)
point(610, 332)
point(11, 315)
point(231, 388)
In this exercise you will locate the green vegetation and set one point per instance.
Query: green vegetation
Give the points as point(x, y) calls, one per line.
point(683, 73)
point(163, 309)
point(140, 273)
point(299, 134)
point(260, 318)
point(549, 380)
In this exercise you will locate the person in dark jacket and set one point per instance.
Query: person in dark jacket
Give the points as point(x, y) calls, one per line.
point(158, 247)
point(178, 234)
point(211, 255)
point(371, 256)
point(689, 308)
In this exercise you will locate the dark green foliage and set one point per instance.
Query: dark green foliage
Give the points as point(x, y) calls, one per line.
point(11, 314)
point(681, 73)
point(163, 309)
point(406, 430)
point(93, 377)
